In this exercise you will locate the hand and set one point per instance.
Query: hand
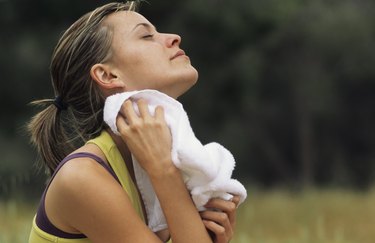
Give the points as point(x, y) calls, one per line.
point(147, 137)
point(220, 218)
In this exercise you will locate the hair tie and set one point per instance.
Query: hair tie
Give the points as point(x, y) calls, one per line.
point(60, 105)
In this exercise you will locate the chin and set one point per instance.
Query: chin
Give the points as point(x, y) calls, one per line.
point(189, 81)
point(192, 76)
point(182, 82)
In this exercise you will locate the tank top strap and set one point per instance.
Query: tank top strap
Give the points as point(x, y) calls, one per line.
point(42, 220)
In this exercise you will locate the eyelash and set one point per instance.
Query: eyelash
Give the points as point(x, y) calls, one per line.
point(147, 36)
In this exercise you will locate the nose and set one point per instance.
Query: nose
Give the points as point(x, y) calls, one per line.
point(173, 40)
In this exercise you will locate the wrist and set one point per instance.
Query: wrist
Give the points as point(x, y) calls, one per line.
point(163, 171)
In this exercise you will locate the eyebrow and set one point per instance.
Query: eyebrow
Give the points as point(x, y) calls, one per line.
point(146, 25)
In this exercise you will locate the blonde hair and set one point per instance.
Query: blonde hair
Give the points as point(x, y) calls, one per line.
point(59, 129)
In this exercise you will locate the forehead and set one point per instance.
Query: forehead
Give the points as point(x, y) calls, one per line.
point(125, 21)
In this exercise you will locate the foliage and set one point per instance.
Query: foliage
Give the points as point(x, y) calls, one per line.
point(287, 86)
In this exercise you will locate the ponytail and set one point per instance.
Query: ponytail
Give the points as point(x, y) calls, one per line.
point(48, 134)
point(59, 129)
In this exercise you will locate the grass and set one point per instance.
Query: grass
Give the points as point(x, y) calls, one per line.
point(313, 216)
point(15, 221)
point(278, 216)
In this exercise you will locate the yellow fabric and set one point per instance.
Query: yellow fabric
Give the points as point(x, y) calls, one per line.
point(39, 236)
point(114, 158)
point(109, 148)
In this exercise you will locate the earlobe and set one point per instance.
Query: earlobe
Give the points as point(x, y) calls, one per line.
point(105, 77)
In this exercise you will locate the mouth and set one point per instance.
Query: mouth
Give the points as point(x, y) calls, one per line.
point(178, 54)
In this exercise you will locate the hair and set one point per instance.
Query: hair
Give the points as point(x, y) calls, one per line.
point(76, 114)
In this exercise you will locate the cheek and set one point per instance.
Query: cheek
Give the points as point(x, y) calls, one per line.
point(143, 60)
point(145, 73)
point(146, 69)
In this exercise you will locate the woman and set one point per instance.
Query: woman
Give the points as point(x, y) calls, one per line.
point(91, 196)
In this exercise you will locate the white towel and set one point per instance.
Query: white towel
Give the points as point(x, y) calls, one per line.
point(206, 169)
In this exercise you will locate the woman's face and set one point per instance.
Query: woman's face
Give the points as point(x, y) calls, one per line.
point(146, 59)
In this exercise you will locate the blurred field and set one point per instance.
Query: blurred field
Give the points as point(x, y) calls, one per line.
point(15, 221)
point(314, 216)
point(279, 216)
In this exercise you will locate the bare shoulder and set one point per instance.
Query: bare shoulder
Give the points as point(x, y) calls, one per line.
point(85, 198)
point(77, 182)
point(81, 173)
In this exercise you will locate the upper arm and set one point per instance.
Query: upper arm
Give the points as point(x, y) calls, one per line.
point(86, 197)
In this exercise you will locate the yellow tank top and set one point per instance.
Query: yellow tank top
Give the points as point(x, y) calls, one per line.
point(113, 156)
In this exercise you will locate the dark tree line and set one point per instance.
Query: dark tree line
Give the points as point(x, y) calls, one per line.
point(288, 86)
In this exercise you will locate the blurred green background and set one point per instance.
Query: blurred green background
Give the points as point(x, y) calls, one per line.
point(288, 86)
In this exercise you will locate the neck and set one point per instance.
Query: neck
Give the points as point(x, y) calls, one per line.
point(126, 155)
point(124, 151)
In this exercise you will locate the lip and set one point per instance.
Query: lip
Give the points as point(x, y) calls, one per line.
point(178, 54)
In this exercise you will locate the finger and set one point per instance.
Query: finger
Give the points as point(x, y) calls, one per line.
point(121, 124)
point(159, 113)
point(143, 108)
point(228, 207)
point(220, 218)
point(127, 110)
point(236, 200)
point(218, 230)
point(221, 205)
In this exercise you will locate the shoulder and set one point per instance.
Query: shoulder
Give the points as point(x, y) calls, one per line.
point(82, 169)
point(85, 198)
point(81, 178)
point(77, 182)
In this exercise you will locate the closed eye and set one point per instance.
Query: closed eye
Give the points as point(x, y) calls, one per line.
point(147, 36)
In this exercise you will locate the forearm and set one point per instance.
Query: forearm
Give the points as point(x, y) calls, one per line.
point(149, 139)
point(184, 221)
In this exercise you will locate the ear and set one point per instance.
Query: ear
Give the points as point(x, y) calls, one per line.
point(105, 76)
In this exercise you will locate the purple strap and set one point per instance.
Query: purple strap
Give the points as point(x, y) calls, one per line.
point(41, 218)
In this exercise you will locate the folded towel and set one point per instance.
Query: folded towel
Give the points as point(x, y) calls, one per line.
point(206, 169)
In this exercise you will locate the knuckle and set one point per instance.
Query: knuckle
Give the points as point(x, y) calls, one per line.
point(123, 131)
point(148, 123)
point(220, 231)
point(211, 224)
point(236, 199)
point(136, 126)
point(159, 124)
point(223, 217)
point(204, 214)
point(232, 207)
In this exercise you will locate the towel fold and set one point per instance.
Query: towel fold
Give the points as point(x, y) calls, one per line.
point(206, 169)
